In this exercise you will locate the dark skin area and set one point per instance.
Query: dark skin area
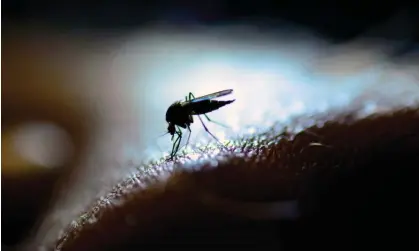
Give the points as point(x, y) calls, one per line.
point(363, 184)
point(355, 190)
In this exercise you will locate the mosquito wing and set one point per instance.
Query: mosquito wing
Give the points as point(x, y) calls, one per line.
point(211, 96)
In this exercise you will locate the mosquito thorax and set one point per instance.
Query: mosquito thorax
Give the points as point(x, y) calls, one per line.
point(172, 113)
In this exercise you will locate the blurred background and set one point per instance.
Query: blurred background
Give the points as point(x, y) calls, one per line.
point(101, 75)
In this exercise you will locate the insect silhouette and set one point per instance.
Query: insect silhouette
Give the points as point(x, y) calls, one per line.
point(179, 115)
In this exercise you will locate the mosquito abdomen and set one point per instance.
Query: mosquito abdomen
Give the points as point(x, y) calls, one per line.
point(207, 106)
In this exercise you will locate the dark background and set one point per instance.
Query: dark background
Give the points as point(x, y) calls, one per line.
point(337, 20)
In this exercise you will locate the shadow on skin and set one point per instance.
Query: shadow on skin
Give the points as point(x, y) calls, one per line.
point(353, 181)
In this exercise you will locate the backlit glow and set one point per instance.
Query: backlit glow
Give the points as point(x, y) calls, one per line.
point(275, 79)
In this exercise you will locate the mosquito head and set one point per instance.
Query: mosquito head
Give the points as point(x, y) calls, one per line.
point(171, 129)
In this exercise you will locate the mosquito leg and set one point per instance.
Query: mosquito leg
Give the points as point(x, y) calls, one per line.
point(212, 135)
point(190, 131)
point(176, 144)
point(215, 122)
point(173, 148)
point(179, 133)
point(189, 136)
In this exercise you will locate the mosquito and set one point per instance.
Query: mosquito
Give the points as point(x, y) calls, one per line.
point(179, 115)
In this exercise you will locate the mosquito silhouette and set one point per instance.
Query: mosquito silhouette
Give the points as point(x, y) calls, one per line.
point(179, 115)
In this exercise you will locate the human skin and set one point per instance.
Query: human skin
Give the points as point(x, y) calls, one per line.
point(343, 191)
point(339, 174)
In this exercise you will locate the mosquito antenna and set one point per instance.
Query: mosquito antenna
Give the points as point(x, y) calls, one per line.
point(163, 134)
point(160, 137)
point(156, 143)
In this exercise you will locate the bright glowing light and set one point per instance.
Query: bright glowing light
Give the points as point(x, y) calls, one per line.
point(194, 156)
point(251, 130)
point(233, 122)
point(297, 107)
point(221, 136)
point(271, 82)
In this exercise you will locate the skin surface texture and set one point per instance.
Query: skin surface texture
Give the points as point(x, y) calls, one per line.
point(347, 176)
